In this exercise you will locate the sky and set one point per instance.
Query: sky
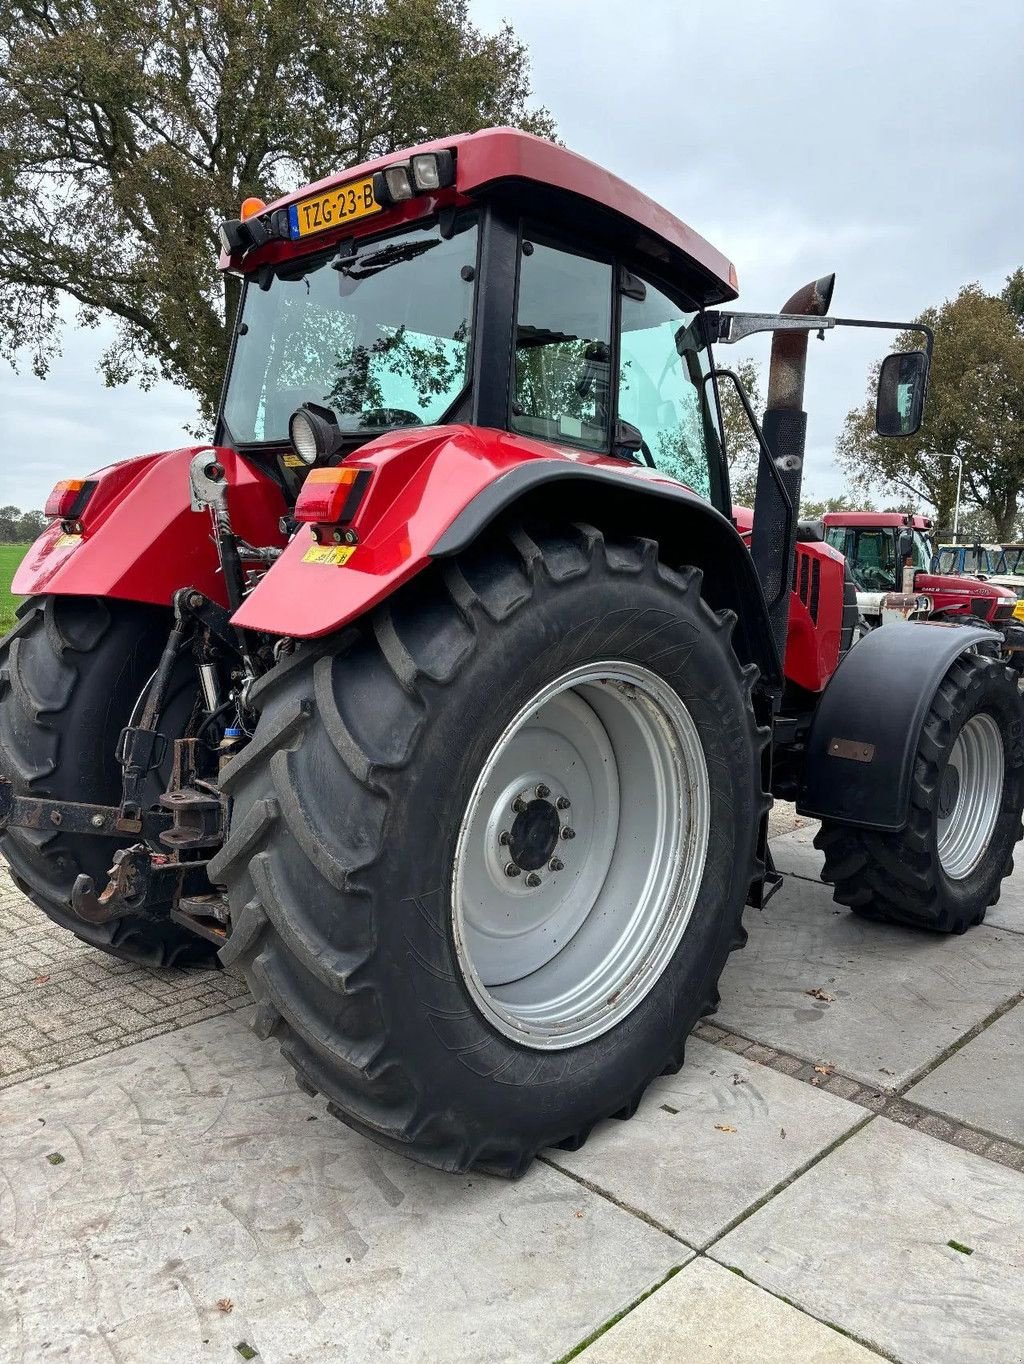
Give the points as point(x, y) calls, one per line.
point(880, 140)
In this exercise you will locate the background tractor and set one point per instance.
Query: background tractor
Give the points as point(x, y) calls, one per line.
point(1000, 565)
point(458, 734)
point(899, 576)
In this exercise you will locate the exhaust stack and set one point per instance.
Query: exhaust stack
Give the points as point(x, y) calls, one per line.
point(785, 432)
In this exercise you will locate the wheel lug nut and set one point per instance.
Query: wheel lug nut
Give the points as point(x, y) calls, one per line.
point(533, 879)
point(518, 805)
point(568, 833)
point(504, 837)
point(543, 791)
point(511, 869)
point(556, 865)
point(563, 802)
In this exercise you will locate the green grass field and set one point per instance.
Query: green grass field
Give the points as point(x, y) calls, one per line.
point(10, 558)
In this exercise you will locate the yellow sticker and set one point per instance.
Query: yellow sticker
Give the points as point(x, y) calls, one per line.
point(65, 541)
point(328, 554)
point(293, 462)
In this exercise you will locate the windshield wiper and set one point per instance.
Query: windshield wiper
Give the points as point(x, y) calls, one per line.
point(359, 265)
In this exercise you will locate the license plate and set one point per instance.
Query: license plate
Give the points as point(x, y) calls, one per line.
point(328, 554)
point(343, 205)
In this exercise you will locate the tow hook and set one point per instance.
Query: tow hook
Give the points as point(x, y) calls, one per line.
point(129, 881)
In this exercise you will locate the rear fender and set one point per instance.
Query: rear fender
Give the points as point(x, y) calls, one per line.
point(866, 729)
point(434, 492)
point(141, 540)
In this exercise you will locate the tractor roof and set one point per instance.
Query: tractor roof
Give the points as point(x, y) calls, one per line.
point(505, 160)
point(876, 519)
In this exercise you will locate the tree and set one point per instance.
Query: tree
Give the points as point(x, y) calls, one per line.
point(740, 442)
point(127, 131)
point(814, 510)
point(18, 527)
point(975, 409)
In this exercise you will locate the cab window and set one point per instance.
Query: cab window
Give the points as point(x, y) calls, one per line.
point(836, 537)
point(662, 362)
point(563, 348)
point(873, 562)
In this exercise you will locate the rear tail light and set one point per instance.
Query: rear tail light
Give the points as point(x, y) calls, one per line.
point(330, 496)
point(68, 498)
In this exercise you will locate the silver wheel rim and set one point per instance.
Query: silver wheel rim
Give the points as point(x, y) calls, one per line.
point(602, 776)
point(970, 795)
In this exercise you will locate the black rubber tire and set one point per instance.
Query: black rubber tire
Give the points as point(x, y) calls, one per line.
point(70, 672)
point(346, 806)
point(897, 877)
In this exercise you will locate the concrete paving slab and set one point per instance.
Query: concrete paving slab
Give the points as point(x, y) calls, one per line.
point(705, 1313)
point(981, 1083)
point(708, 1143)
point(863, 1241)
point(1008, 913)
point(795, 854)
point(181, 1196)
point(899, 998)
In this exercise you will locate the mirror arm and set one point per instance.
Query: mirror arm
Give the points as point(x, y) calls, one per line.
point(729, 327)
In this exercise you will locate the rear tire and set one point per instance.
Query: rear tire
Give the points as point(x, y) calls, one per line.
point(70, 672)
point(347, 807)
point(943, 870)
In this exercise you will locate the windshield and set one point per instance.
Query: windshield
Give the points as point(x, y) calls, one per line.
point(379, 331)
point(1011, 561)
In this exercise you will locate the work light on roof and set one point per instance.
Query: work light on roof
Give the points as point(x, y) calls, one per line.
point(424, 172)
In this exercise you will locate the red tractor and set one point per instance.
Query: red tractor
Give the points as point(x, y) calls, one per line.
point(890, 556)
point(440, 693)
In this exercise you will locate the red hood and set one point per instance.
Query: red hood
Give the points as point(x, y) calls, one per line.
point(958, 585)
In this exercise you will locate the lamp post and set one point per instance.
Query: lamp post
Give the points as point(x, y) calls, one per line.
point(959, 485)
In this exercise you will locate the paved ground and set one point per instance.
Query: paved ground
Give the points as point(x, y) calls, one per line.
point(836, 1176)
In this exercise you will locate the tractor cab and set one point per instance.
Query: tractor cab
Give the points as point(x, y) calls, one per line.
point(978, 560)
point(454, 286)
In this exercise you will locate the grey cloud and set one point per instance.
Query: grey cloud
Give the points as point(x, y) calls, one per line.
point(878, 138)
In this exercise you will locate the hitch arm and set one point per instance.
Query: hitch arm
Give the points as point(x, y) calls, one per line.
point(34, 812)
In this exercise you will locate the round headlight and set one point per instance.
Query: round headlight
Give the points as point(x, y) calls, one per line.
point(303, 436)
point(314, 432)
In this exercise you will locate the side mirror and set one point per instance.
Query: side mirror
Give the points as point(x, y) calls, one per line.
point(902, 381)
point(906, 549)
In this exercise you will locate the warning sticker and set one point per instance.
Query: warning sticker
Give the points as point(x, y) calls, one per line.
point(328, 554)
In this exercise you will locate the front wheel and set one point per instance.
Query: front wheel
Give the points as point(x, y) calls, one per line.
point(946, 866)
point(490, 850)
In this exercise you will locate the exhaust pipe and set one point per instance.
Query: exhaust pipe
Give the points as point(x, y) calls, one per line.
point(785, 433)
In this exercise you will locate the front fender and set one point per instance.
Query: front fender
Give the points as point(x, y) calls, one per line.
point(866, 729)
point(141, 540)
point(434, 491)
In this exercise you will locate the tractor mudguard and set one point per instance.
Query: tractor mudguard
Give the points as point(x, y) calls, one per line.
point(866, 729)
point(140, 539)
point(434, 491)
